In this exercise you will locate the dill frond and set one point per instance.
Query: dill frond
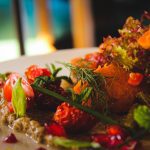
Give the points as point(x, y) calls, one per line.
point(95, 80)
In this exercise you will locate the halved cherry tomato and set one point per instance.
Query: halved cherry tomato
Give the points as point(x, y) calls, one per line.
point(7, 90)
point(34, 71)
point(12, 79)
point(135, 79)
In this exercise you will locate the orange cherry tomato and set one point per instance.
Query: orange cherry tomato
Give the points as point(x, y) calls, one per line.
point(12, 79)
point(144, 40)
point(135, 79)
point(34, 71)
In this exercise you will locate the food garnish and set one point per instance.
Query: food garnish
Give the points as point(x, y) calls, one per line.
point(74, 144)
point(11, 139)
point(19, 99)
point(142, 116)
point(106, 104)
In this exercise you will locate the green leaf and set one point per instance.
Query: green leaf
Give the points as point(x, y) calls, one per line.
point(85, 94)
point(4, 76)
point(68, 79)
point(53, 68)
point(19, 99)
point(142, 116)
point(42, 80)
point(56, 72)
point(68, 143)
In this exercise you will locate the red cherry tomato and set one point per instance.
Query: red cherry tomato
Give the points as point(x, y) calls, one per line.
point(7, 90)
point(12, 79)
point(46, 72)
point(135, 79)
point(34, 71)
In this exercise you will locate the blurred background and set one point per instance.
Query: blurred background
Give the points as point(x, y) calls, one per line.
point(30, 27)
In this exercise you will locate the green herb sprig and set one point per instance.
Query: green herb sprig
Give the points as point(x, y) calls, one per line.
point(54, 73)
point(45, 81)
point(73, 144)
point(95, 81)
point(83, 96)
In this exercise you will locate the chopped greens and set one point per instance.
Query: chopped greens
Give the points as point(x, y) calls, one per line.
point(19, 99)
point(73, 144)
point(142, 116)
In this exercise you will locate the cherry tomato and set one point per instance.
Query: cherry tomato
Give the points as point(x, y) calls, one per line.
point(34, 71)
point(9, 84)
point(135, 79)
point(7, 90)
point(12, 79)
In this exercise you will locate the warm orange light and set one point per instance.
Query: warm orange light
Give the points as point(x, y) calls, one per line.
point(39, 45)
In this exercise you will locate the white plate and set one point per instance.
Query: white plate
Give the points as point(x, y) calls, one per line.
point(19, 65)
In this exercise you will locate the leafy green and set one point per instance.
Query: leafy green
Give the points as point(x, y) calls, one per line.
point(42, 81)
point(142, 116)
point(121, 56)
point(103, 118)
point(3, 77)
point(68, 143)
point(19, 99)
point(52, 68)
point(83, 96)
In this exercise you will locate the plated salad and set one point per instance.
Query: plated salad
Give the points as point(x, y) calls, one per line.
point(103, 104)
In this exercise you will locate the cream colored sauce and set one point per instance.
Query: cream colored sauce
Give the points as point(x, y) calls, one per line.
point(24, 142)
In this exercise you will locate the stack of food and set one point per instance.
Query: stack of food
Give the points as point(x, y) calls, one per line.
point(105, 103)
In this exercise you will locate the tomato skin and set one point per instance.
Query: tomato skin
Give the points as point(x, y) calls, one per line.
point(135, 79)
point(46, 72)
point(34, 71)
point(27, 88)
point(7, 91)
point(12, 79)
